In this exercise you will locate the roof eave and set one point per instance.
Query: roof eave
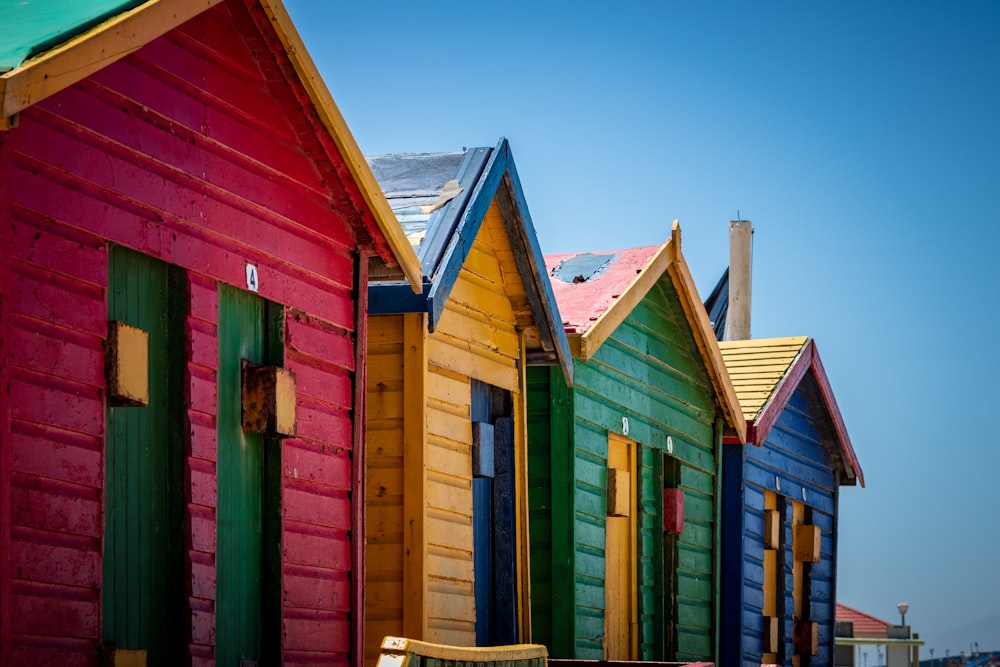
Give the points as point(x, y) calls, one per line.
point(96, 48)
point(602, 329)
point(808, 360)
point(500, 172)
point(329, 114)
point(670, 260)
point(705, 338)
point(92, 50)
point(531, 265)
point(851, 462)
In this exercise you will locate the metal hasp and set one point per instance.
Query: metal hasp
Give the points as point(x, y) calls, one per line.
point(482, 450)
point(268, 401)
point(127, 365)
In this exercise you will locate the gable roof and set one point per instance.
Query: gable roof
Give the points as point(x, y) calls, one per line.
point(766, 372)
point(865, 625)
point(597, 291)
point(60, 49)
point(442, 230)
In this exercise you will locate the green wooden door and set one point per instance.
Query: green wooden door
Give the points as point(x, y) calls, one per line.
point(249, 328)
point(142, 595)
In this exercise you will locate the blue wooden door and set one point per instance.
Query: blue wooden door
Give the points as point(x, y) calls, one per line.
point(493, 523)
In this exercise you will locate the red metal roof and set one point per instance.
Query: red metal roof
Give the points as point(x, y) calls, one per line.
point(582, 303)
point(865, 625)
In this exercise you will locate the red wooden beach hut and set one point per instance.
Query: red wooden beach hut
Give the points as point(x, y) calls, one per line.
point(182, 210)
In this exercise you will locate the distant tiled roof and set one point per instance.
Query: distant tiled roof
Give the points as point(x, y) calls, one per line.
point(865, 625)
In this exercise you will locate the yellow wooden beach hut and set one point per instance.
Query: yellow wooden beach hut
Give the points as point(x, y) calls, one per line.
point(446, 522)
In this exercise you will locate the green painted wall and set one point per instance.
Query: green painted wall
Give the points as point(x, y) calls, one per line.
point(649, 371)
point(142, 604)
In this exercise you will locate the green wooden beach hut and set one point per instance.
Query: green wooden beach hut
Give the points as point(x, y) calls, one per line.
point(624, 466)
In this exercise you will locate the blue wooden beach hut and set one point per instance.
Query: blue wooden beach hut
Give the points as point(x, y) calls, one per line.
point(779, 506)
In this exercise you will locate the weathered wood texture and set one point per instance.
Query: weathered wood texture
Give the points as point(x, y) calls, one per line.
point(756, 367)
point(197, 150)
point(791, 461)
point(142, 603)
point(402, 652)
point(476, 338)
point(651, 372)
point(384, 485)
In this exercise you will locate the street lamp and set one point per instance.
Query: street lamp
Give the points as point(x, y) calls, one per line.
point(932, 657)
point(903, 608)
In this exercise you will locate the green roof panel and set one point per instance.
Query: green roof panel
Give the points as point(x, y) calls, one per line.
point(30, 27)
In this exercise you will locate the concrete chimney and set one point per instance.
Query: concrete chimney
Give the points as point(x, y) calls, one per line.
point(740, 252)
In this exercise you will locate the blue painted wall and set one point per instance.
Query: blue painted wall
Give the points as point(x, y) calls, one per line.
point(800, 453)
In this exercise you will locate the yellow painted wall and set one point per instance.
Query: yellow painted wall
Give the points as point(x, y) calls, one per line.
point(384, 483)
point(477, 337)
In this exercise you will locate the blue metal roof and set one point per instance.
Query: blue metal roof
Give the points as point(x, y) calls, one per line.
point(30, 27)
point(442, 230)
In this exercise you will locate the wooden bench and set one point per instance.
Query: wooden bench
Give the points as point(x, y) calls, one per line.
point(402, 652)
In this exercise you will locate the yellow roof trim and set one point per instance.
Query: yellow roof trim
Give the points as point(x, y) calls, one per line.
point(334, 122)
point(704, 336)
point(669, 259)
point(58, 68)
point(90, 51)
point(606, 324)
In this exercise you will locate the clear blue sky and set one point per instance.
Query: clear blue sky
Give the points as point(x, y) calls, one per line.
point(860, 138)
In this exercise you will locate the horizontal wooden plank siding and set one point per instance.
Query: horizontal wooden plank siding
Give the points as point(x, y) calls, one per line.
point(792, 461)
point(384, 596)
point(316, 488)
point(202, 463)
point(476, 338)
point(199, 150)
point(650, 372)
point(55, 367)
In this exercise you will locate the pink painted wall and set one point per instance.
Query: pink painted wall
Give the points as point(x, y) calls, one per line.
point(199, 149)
